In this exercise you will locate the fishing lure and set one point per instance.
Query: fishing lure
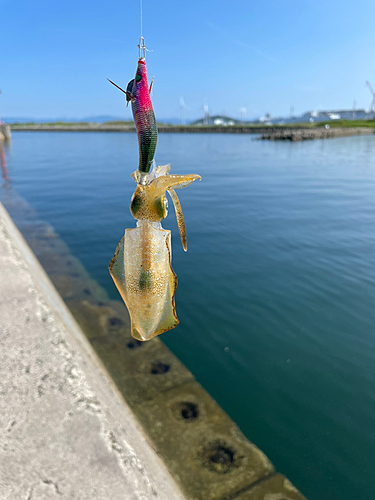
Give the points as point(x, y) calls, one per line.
point(142, 265)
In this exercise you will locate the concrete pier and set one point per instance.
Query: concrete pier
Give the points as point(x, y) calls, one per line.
point(65, 430)
point(5, 132)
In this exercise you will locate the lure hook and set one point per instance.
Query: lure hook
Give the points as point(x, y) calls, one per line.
point(129, 95)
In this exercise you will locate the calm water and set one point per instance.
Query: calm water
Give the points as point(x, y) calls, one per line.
point(276, 294)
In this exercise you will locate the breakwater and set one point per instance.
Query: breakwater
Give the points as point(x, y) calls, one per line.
point(271, 133)
point(122, 127)
point(308, 134)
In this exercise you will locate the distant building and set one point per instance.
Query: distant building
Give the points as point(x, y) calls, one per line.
point(308, 117)
point(317, 116)
point(219, 120)
point(334, 114)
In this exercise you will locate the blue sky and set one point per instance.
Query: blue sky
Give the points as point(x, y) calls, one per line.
point(55, 56)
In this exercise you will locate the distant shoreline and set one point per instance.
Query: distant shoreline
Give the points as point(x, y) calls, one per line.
point(291, 133)
point(117, 127)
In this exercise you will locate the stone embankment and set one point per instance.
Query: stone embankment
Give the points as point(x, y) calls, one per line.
point(307, 134)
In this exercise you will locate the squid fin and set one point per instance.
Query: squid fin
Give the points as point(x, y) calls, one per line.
point(117, 269)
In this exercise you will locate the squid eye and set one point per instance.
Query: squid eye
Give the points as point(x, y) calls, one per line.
point(138, 77)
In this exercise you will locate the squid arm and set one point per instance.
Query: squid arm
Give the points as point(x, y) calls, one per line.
point(178, 182)
point(179, 217)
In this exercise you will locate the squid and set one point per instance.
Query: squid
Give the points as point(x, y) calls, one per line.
point(141, 267)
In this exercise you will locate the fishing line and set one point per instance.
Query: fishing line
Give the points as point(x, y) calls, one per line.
point(141, 46)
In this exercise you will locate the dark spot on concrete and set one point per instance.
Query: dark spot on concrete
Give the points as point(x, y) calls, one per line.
point(189, 411)
point(218, 457)
point(114, 321)
point(134, 344)
point(86, 291)
point(159, 368)
point(222, 456)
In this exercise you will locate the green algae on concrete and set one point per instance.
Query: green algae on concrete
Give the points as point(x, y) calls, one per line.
point(277, 487)
point(99, 318)
point(76, 288)
point(213, 458)
point(140, 370)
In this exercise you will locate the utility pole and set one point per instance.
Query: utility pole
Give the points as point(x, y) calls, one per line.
point(183, 110)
